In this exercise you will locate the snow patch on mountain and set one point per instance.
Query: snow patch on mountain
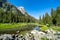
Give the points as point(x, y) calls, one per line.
point(21, 8)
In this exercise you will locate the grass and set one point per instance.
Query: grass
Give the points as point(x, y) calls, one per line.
point(13, 27)
point(56, 28)
point(4, 26)
point(22, 26)
point(44, 39)
point(24, 32)
point(44, 28)
point(9, 26)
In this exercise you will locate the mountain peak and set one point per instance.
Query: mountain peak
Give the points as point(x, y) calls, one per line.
point(21, 8)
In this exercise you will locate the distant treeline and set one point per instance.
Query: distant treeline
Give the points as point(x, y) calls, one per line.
point(52, 18)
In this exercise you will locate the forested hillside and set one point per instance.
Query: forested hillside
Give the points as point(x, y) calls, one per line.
point(10, 14)
point(53, 18)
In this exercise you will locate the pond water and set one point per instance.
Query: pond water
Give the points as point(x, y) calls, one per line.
point(37, 28)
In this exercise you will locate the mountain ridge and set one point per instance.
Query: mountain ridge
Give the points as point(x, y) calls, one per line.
point(15, 15)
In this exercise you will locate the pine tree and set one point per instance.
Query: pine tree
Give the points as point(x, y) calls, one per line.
point(40, 21)
point(58, 15)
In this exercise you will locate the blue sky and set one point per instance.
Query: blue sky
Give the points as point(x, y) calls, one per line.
point(36, 8)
